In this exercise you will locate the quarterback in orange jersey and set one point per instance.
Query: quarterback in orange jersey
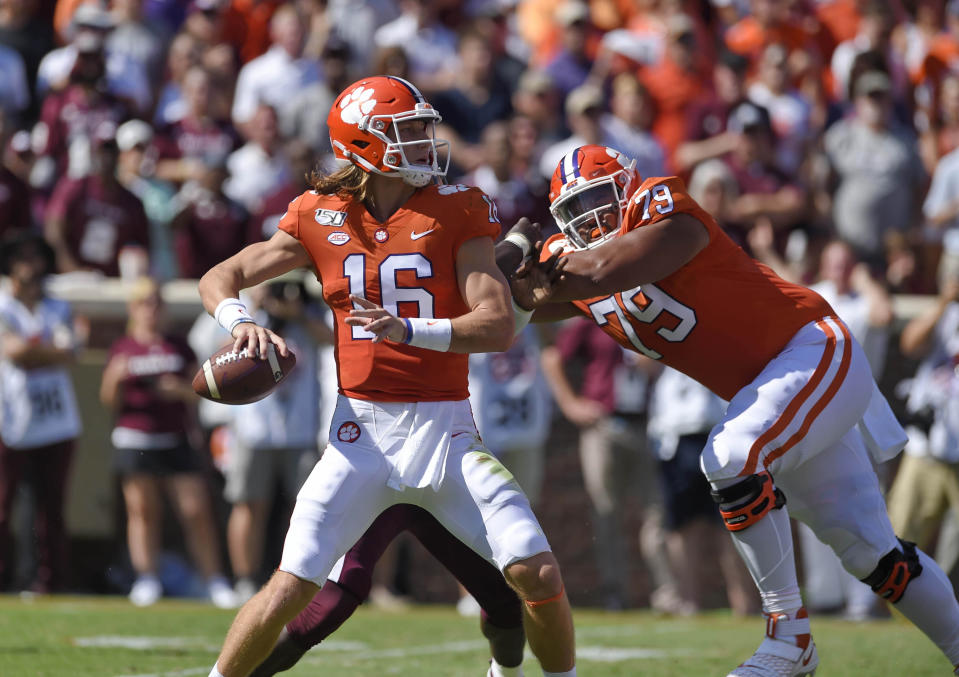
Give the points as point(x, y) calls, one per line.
point(656, 272)
point(408, 268)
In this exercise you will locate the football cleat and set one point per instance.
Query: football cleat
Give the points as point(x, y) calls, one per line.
point(786, 651)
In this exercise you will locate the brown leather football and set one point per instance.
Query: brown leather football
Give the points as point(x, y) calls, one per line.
point(234, 377)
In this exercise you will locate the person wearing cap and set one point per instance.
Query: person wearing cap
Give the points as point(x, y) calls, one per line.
point(146, 386)
point(766, 195)
point(90, 220)
point(878, 171)
point(584, 107)
point(41, 420)
point(90, 27)
point(136, 172)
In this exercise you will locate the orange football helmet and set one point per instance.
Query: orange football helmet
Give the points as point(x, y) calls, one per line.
point(364, 130)
point(589, 193)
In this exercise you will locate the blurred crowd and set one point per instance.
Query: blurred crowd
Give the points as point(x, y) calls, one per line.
point(158, 137)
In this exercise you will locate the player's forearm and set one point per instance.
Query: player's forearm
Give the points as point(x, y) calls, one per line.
point(483, 330)
point(222, 281)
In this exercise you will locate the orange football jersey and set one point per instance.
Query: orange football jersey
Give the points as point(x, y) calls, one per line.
point(408, 266)
point(720, 318)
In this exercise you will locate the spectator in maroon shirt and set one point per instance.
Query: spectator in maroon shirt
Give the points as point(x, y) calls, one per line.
point(196, 139)
point(210, 227)
point(70, 116)
point(90, 221)
point(146, 384)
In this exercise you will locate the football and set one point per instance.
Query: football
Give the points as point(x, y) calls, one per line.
point(234, 377)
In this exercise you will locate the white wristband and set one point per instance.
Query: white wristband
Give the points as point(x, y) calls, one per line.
point(520, 241)
point(430, 334)
point(521, 317)
point(231, 312)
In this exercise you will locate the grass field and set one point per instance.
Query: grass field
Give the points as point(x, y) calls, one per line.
point(107, 637)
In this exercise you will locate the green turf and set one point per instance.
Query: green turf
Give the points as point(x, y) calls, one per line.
point(91, 635)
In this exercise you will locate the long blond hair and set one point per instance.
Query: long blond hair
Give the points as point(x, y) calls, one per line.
point(347, 182)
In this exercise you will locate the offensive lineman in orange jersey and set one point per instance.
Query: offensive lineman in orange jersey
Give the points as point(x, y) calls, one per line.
point(407, 267)
point(657, 273)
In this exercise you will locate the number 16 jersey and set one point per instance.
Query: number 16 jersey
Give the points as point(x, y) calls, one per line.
point(407, 265)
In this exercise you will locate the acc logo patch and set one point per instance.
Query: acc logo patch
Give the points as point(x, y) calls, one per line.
point(328, 217)
point(381, 235)
point(348, 432)
point(338, 238)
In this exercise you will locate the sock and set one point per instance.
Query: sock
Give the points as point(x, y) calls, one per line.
point(767, 550)
point(568, 673)
point(930, 604)
point(497, 670)
point(215, 672)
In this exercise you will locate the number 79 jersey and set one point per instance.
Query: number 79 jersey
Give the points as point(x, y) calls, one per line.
point(720, 318)
point(407, 265)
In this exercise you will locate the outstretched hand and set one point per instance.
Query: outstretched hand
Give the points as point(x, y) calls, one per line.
point(376, 320)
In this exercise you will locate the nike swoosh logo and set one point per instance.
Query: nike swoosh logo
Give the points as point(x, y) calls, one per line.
point(416, 236)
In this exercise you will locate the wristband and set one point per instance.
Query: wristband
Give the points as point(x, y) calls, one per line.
point(231, 312)
point(520, 241)
point(422, 332)
point(521, 317)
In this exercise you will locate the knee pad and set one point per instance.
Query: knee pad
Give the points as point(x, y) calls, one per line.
point(894, 571)
point(745, 503)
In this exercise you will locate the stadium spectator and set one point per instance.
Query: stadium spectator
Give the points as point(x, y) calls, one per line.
point(273, 442)
point(681, 414)
point(386, 446)
point(537, 98)
point(41, 419)
point(125, 77)
point(875, 34)
point(137, 38)
point(769, 22)
point(146, 385)
point(765, 194)
point(24, 29)
point(302, 161)
point(93, 222)
point(926, 485)
point(940, 208)
point(15, 211)
point(707, 117)
point(305, 117)
point(430, 46)
point(136, 172)
point(271, 78)
point(210, 226)
point(183, 53)
point(502, 178)
point(354, 21)
point(584, 107)
point(71, 115)
point(609, 408)
point(676, 81)
point(879, 174)
point(570, 65)
point(14, 93)
point(197, 139)
point(476, 98)
point(789, 111)
point(644, 254)
point(258, 167)
point(627, 126)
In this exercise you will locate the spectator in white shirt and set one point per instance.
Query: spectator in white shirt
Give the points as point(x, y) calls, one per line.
point(274, 76)
point(259, 167)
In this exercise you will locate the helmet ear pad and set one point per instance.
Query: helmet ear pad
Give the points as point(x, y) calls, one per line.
point(363, 129)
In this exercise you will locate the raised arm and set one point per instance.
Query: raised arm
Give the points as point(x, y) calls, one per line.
point(249, 267)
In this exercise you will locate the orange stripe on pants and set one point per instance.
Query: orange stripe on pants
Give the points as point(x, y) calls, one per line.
point(752, 462)
point(823, 401)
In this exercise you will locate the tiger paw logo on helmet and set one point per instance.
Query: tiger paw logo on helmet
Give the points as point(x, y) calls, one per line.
point(357, 104)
